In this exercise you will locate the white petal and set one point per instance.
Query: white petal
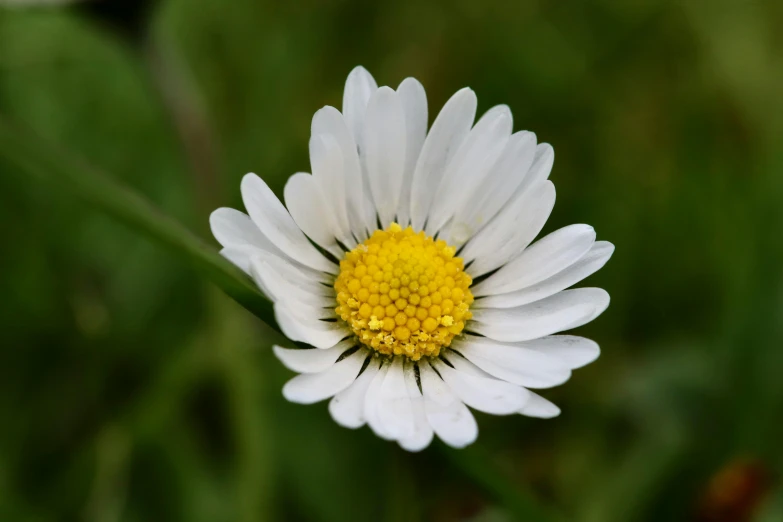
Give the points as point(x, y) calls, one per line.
point(321, 334)
point(503, 180)
point(539, 407)
point(359, 87)
point(395, 410)
point(233, 228)
point(562, 311)
point(311, 360)
point(308, 388)
point(572, 351)
point(470, 166)
point(444, 139)
point(294, 272)
point(329, 121)
point(514, 363)
point(422, 431)
point(307, 313)
point(370, 213)
point(240, 256)
point(449, 417)
point(539, 171)
point(510, 231)
point(385, 143)
point(304, 200)
point(347, 407)
point(248, 259)
point(544, 258)
point(481, 393)
point(281, 282)
point(372, 404)
point(276, 223)
point(414, 103)
point(326, 159)
point(591, 262)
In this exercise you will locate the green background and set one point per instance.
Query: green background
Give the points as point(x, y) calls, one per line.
point(133, 390)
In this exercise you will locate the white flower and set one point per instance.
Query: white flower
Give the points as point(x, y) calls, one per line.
point(408, 331)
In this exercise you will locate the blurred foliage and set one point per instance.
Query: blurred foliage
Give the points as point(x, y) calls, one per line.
point(130, 390)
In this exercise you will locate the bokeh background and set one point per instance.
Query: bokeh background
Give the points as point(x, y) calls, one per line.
point(132, 390)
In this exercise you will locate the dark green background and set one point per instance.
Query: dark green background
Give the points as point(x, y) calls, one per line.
point(131, 390)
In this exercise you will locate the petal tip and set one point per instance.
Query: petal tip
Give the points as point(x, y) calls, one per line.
point(250, 182)
point(278, 351)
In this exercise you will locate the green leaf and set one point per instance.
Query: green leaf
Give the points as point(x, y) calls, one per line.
point(59, 169)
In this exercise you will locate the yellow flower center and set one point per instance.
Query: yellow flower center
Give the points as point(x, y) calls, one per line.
point(403, 293)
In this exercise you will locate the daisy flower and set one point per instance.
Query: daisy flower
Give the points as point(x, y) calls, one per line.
point(405, 266)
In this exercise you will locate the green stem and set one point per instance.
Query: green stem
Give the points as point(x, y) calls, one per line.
point(58, 168)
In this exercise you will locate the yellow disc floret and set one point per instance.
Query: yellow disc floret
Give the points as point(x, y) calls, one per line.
point(404, 293)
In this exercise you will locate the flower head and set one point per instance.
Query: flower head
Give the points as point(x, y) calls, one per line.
point(407, 262)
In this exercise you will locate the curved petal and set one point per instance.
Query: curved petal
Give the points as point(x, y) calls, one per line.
point(321, 334)
point(326, 160)
point(233, 228)
point(359, 88)
point(414, 103)
point(308, 208)
point(240, 256)
point(311, 360)
point(347, 407)
point(544, 258)
point(503, 180)
point(385, 142)
point(243, 255)
point(281, 284)
point(539, 407)
point(543, 160)
point(422, 431)
point(308, 388)
point(514, 363)
point(395, 410)
point(562, 311)
point(450, 419)
point(372, 403)
point(591, 262)
point(469, 167)
point(276, 224)
point(572, 351)
point(481, 393)
point(329, 121)
point(296, 273)
point(511, 230)
point(446, 135)
point(263, 266)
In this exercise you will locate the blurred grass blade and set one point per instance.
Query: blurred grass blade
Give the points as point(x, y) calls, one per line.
point(60, 169)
